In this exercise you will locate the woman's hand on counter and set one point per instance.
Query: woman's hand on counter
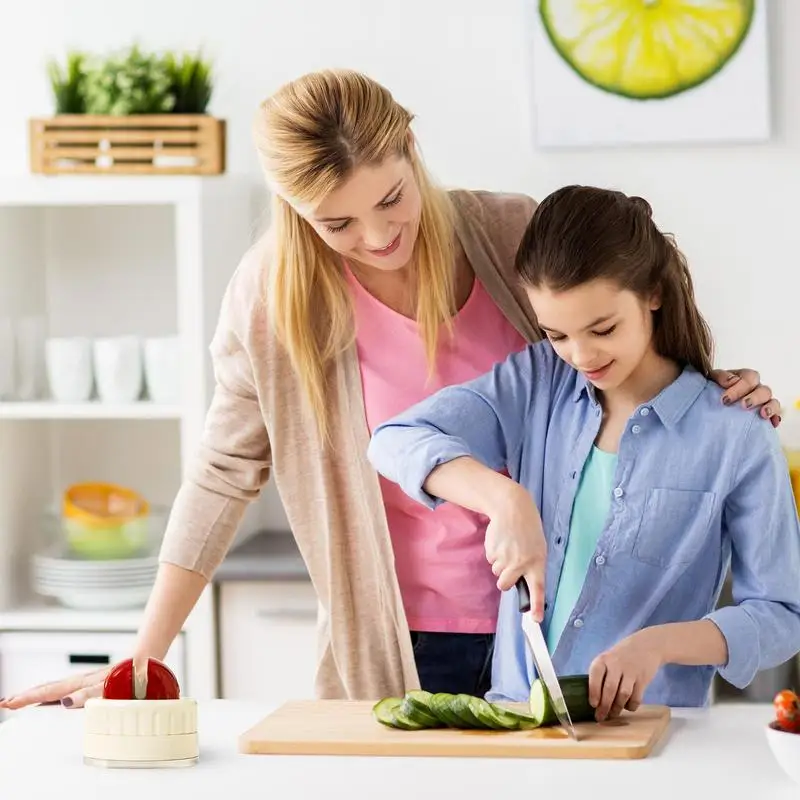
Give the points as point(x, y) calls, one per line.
point(71, 692)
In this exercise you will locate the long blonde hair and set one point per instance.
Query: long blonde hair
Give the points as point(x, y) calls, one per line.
point(310, 136)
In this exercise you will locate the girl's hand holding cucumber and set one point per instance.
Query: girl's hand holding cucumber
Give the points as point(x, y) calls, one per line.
point(619, 677)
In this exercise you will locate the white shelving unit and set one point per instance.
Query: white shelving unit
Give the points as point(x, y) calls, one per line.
point(104, 256)
point(91, 410)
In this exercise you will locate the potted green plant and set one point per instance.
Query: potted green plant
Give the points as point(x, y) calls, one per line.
point(133, 111)
point(67, 83)
point(190, 82)
point(132, 82)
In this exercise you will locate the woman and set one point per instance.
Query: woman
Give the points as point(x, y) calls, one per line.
point(328, 327)
point(617, 447)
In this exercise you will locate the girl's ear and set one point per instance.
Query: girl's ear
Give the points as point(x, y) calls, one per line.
point(655, 300)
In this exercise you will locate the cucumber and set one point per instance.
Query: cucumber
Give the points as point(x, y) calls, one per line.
point(513, 720)
point(383, 710)
point(416, 705)
point(493, 716)
point(484, 713)
point(442, 706)
point(389, 712)
point(420, 710)
point(576, 696)
point(461, 705)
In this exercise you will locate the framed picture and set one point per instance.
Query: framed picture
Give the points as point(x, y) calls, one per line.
point(626, 72)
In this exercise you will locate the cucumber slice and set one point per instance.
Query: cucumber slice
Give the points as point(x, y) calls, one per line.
point(389, 712)
point(404, 722)
point(383, 710)
point(441, 704)
point(490, 717)
point(416, 705)
point(512, 720)
point(462, 705)
point(576, 695)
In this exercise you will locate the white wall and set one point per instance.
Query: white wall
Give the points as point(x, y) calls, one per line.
point(460, 65)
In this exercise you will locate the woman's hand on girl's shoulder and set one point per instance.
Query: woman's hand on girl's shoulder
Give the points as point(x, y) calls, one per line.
point(744, 386)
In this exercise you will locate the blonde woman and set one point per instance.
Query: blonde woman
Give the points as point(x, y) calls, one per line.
point(373, 289)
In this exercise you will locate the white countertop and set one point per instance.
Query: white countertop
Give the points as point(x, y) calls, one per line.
point(721, 753)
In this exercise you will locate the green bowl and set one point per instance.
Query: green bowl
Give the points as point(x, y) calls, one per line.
point(121, 540)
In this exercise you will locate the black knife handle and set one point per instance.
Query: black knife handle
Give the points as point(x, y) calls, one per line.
point(524, 595)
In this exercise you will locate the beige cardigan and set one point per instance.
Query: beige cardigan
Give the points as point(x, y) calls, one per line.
point(258, 424)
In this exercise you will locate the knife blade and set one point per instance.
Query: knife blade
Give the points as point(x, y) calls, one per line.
point(541, 659)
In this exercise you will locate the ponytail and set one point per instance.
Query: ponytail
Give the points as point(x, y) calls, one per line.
point(680, 331)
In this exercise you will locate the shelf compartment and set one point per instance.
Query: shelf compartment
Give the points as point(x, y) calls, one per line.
point(94, 410)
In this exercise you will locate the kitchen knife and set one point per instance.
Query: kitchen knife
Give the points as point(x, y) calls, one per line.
point(542, 660)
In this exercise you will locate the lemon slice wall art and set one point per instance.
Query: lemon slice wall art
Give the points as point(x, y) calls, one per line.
point(632, 71)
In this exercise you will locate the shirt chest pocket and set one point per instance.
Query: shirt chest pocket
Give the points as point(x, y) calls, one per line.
point(674, 526)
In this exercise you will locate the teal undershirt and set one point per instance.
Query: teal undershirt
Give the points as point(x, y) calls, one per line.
point(589, 513)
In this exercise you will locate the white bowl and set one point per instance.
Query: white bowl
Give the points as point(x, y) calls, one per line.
point(785, 747)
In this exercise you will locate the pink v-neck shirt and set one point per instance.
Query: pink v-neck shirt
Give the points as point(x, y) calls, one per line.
point(445, 580)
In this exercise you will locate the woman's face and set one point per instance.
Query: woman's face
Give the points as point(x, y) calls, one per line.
point(373, 218)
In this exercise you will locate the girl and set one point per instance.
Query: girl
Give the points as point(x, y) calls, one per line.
point(616, 444)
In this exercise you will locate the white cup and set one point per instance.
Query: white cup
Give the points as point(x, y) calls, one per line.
point(69, 369)
point(118, 369)
point(162, 369)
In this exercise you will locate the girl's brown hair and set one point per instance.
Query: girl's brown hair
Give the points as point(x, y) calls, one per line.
point(582, 233)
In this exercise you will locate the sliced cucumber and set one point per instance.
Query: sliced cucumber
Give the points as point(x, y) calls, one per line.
point(576, 696)
point(417, 706)
point(389, 712)
point(492, 716)
point(421, 710)
point(383, 710)
point(513, 720)
point(404, 722)
point(462, 706)
point(441, 705)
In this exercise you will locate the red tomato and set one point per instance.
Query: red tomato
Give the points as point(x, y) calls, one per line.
point(787, 710)
point(161, 682)
point(786, 704)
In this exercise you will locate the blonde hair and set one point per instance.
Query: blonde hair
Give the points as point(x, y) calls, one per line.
point(310, 136)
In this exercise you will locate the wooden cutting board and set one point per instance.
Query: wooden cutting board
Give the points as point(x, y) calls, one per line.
point(342, 727)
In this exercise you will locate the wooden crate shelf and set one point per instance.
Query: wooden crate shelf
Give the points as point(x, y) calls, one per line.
point(158, 144)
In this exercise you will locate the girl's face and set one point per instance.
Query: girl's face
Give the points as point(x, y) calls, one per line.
point(599, 329)
point(373, 218)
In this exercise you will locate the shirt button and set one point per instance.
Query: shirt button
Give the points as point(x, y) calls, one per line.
point(600, 560)
point(573, 474)
point(578, 623)
point(618, 492)
point(636, 429)
point(558, 540)
point(645, 411)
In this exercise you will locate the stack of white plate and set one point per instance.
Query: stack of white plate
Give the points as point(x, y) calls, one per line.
point(88, 584)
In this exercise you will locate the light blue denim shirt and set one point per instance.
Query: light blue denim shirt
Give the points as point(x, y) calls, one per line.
point(698, 487)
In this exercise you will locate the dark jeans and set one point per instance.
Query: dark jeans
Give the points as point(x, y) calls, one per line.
point(458, 663)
